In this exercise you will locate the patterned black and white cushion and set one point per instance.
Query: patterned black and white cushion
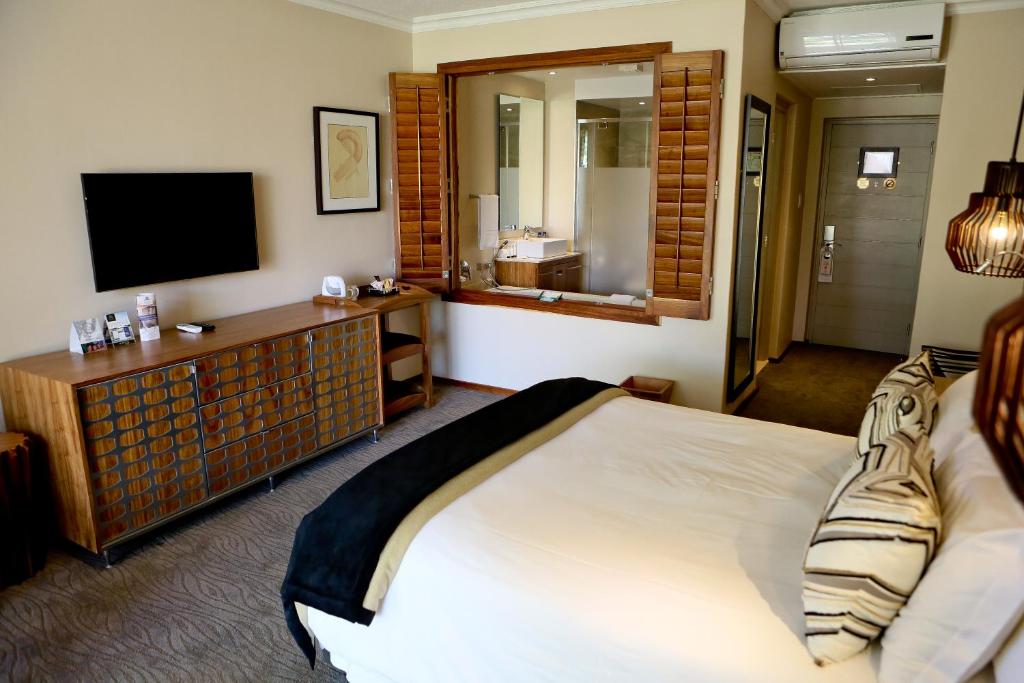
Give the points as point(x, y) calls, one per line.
point(905, 399)
point(879, 531)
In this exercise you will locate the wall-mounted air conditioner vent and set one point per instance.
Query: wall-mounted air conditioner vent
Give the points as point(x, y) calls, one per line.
point(893, 33)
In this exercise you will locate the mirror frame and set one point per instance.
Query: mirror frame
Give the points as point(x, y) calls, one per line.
point(449, 73)
point(733, 389)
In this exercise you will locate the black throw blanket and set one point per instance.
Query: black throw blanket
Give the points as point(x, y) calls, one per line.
point(338, 545)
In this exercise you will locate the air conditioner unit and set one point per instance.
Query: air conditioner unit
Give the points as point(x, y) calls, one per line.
point(892, 33)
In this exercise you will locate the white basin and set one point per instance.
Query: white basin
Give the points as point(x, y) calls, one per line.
point(541, 247)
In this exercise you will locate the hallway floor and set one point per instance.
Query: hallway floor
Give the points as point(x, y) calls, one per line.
point(819, 387)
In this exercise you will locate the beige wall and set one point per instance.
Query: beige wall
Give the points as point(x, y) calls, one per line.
point(514, 348)
point(838, 108)
point(186, 85)
point(984, 79)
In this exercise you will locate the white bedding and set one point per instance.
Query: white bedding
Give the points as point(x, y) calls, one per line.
point(646, 543)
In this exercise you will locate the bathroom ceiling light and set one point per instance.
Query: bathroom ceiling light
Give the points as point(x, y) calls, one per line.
point(641, 103)
point(552, 73)
point(870, 79)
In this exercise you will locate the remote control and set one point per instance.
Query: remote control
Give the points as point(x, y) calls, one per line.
point(187, 327)
point(207, 327)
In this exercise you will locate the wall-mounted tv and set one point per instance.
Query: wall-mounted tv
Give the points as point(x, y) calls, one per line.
point(146, 228)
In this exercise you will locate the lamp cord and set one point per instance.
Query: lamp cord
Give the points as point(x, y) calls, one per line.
point(1016, 137)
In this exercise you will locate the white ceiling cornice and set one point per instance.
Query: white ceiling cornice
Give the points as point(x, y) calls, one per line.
point(776, 9)
point(531, 9)
point(982, 6)
point(345, 9)
point(519, 10)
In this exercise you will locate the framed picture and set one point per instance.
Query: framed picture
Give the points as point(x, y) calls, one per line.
point(347, 153)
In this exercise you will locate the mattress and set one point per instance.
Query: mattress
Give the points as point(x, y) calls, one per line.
point(646, 543)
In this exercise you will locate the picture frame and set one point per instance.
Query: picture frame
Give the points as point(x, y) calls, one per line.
point(346, 148)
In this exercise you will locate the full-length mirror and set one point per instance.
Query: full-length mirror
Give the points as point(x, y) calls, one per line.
point(749, 225)
point(554, 178)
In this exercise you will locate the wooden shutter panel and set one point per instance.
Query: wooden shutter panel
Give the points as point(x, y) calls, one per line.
point(417, 154)
point(684, 171)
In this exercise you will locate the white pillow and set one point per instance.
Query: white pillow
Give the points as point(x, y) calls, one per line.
point(1009, 663)
point(954, 420)
point(972, 595)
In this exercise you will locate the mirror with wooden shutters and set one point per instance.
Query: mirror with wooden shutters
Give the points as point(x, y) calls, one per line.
point(418, 169)
point(684, 145)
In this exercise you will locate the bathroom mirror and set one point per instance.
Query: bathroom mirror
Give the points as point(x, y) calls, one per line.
point(746, 266)
point(554, 175)
point(520, 157)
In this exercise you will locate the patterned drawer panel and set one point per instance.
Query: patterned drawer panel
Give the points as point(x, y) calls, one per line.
point(236, 371)
point(260, 454)
point(247, 414)
point(283, 358)
point(227, 374)
point(345, 374)
point(144, 448)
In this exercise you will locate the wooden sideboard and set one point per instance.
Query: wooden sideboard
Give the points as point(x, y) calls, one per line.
point(139, 435)
point(562, 274)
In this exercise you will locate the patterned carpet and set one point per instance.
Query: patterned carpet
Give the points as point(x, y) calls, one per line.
point(200, 601)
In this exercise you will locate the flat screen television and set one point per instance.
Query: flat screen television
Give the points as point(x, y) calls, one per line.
point(146, 228)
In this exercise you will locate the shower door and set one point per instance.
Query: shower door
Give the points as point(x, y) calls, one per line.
point(613, 181)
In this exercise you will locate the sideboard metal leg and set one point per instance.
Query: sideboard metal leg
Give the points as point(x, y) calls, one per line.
point(106, 560)
point(271, 484)
point(375, 437)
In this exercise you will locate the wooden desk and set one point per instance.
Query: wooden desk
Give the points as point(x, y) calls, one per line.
point(402, 395)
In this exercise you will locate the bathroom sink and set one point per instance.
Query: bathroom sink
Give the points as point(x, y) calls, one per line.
point(541, 247)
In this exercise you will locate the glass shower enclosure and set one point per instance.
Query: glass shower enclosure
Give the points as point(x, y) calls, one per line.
point(613, 180)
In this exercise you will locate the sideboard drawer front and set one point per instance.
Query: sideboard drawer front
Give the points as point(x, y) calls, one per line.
point(345, 373)
point(247, 414)
point(144, 448)
point(260, 455)
point(227, 374)
point(283, 358)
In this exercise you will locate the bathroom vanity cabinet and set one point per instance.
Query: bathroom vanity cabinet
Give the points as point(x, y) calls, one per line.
point(559, 273)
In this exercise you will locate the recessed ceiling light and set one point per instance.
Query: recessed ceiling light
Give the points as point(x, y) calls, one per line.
point(509, 109)
point(641, 103)
point(870, 79)
point(552, 73)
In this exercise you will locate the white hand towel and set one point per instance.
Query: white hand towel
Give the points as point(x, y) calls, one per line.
point(487, 221)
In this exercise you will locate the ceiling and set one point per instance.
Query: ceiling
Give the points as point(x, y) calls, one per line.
point(912, 79)
point(432, 15)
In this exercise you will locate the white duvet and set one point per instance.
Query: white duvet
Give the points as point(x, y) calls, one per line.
point(646, 543)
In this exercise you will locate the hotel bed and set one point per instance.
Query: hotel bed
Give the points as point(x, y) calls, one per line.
point(646, 542)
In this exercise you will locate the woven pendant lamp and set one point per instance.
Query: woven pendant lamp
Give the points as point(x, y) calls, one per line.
point(988, 238)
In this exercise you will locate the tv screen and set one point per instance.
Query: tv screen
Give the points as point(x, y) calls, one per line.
point(157, 227)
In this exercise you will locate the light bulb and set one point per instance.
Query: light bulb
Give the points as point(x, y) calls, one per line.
point(1000, 226)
